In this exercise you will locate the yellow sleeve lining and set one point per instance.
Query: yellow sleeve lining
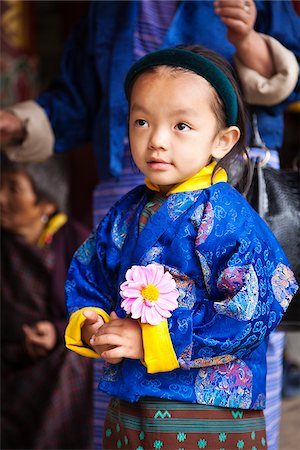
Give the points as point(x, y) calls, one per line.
point(73, 332)
point(159, 354)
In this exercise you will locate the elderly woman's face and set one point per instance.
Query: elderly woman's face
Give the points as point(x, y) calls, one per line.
point(18, 203)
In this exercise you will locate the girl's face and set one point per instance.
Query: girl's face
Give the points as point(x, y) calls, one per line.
point(173, 130)
point(20, 212)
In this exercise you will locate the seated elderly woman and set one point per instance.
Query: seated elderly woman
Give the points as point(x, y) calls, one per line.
point(45, 387)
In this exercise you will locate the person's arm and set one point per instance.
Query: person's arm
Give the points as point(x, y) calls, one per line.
point(252, 50)
point(26, 133)
point(91, 287)
point(268, 70)
point(88, 288)
point(260, 90)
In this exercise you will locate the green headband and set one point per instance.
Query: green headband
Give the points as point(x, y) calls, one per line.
point(196, 63)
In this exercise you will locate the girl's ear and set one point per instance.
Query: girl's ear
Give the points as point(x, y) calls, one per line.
point(224, 141)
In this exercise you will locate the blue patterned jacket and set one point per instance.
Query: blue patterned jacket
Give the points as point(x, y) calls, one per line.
point(234, 282)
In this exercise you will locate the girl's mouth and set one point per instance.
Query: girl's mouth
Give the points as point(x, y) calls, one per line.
point(158, 164)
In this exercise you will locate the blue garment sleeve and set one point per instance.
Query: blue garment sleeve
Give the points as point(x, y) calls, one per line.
point(94, 274)
point(91, 277)
point(247, 285)
point(72, 99)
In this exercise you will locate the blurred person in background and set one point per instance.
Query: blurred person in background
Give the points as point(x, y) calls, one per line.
point(44, 387)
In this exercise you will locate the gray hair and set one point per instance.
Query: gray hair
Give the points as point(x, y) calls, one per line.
point(49, 178)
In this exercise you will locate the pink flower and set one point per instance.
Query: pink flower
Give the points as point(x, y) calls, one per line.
point(149, 293)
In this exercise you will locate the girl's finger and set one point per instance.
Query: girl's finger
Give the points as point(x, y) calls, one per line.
point(106, 339)
point(113, 315)
point(113, 354)
point(91, 317)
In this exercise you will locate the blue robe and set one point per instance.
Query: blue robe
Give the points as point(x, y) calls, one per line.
point(234, 283)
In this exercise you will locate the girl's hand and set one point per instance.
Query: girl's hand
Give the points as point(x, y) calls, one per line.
point(91, 325)
point(40, 338)
point(91, 328)
point(124, 336)
point(239, 16)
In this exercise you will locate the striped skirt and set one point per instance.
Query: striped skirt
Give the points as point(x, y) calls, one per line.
point(170, 425)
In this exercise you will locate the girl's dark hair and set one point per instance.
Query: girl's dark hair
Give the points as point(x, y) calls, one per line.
point(49, 179)
point(236, 162)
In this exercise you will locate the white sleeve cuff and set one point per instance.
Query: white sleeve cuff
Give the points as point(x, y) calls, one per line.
point(259, 90)
point(38, 144)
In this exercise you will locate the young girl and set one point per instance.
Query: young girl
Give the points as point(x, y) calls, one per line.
point(181, 284)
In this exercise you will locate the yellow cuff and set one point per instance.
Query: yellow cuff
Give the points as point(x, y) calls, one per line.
point(159, 354)
point(73, 332)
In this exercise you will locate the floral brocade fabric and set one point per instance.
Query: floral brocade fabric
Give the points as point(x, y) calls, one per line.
point(234, 284)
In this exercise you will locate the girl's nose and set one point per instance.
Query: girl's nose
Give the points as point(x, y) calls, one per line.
point(159, 139)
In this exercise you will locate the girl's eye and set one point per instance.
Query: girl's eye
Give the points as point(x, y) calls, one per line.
point(182, 127)
point(141, 123)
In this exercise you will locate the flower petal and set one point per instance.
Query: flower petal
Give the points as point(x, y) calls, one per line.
point(140, 275)
point(132, 291)
point(136, 308)
point(166, 285)
point(162, 312)
point(172, 295)
point(143, 315)
point(156, 273)
point(129, 274)
point(166, 303)
point(130, 284)
point(152, 316)
point(126, 304)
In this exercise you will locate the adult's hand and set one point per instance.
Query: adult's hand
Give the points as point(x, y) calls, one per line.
point(239, 16)
point(40, 338)
point(12, 129)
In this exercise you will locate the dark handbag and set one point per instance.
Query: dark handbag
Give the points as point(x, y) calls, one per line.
point(275, 195)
